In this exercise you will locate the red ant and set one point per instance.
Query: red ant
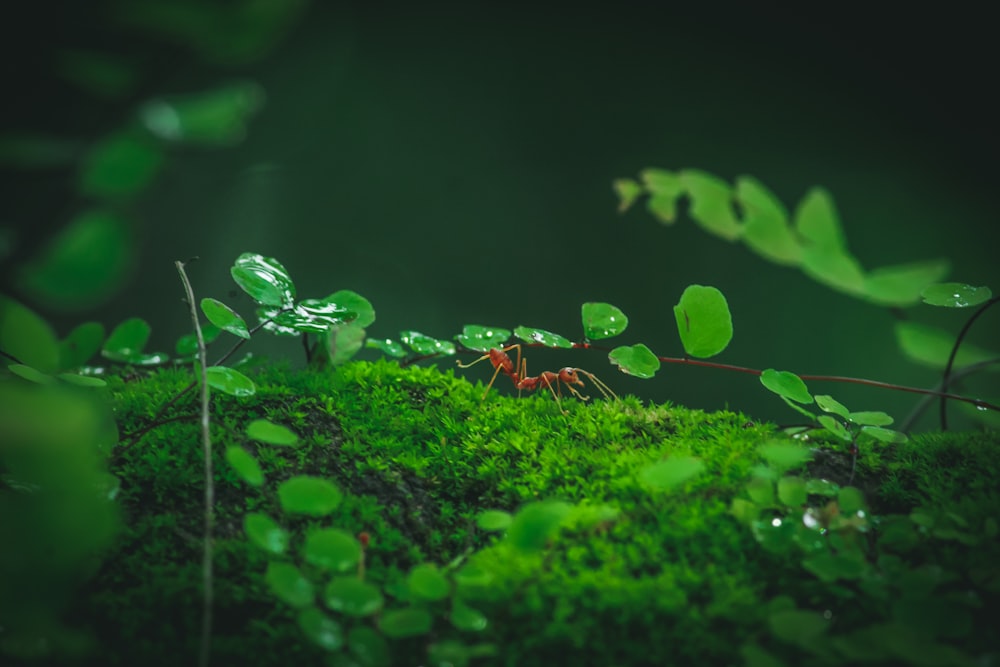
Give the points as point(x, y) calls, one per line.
point(518, 373)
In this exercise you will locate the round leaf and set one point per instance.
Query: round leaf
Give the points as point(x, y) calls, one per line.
point(786, 384)
point(464, 617)
point(265, 533)
point(332, 549)
point(264, 279)
point(834, 426)
point(482, 339)
point(369, 646)
point(493, 520)
point(830, 404)
point(792, 491)
point(355, 303)
point(343, 341)
point(546, 338)
point(245, 465)
point(119, 166)
point(602, 320)
point(82, 343)
point(224, 317)
point(27, 337)
point(353, 597)
point(307, 316)
point(387, 346)
point(273, 434)
point(535, 524)
point(309, 495)
point(637, 360)
point(426, 582)
point(422, 344)
point(956, 295)
point(127, 340)
point(229, 381)
point(669, 474)
point(400, 623)
point(784, 456)
point(286, 582)
point(703, 321)
point(321, 630)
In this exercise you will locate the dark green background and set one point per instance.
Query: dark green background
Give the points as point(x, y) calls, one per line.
point(452, 163)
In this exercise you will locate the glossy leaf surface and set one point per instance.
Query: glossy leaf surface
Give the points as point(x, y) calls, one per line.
point(224, 317)
point(637, 360)
point(832, 405)
point(264, 279)
point(956, 295)
point(546, 338)
point(602, 320)
point(703, 321)
point(387, 346)
point(307, 316)
point(229, 381)
point(312, 496)
point(786, 384)
point(263, 430)
point(482, 338)
point(127, 340)
point(355, 303)
point(422, 344)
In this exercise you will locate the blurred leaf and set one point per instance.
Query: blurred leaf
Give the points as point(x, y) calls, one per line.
point(387, 346)
point(535, 523)
point(422, 344)
point(755, 656)
point(671, 473)
point(36, 151)
point(82, 380)
point(229, 381)
point(902, 285)
point(628, 191)
point(343, 341)
point(783, 456)
point(289, 585)
point(353, 597)
point(119, 166)
point(268, 432)
point(866, 418)
point(332, 549)
point(792, 491)
point(546, 338)
point(664, 189)
point(265, 533)
point(127, 340)
point(481, 338)
point(214, 118)
point(817, 222)
point(354, 303)
point(82, 265)
point(829, 567)
point(761, 491)
point(187, 345)
point(835, 427)
point(931, 347)
point(464, 617)
point(602, 320)
point(801, 628)
point(765, 223)
point(830, 404)
point(321, 630)
point(264, 279)
point(245, 465)
point(30, 374)
point(493, 520)
point(786, 384)
point(822, 487)
point(307, 316)
point(411, 622)
point(27, 337)
point(312, 496)
point(850, 500)
point(80, 345)
point(884, 434)
point(101, 74)
point(637, 360)
point(956, 295)
point(426, 582)
point(711, 203)
point(703, 321)
point(369, 646)
point(834, 268)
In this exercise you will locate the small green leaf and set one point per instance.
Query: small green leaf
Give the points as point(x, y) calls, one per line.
point(628, 191)
point(411, 622)
point(127, 340)
point(830, 404)
point(27, 337)
point(837, 269)
point(835, 427)
point(932, 347)
point(870, 418)
point(224, 317)
point(794, 626)
point(213, 118)
point(664, 189)
point(884, 434)
point(265, 533)
point(481, 338)
point(355, 303)
point(245, 465)
point(343, 341)
point(493, 520)
point(286, 582)
point(787, 385)
point(307, 316)
point(464, 617)
point(783, 456)
point(332, 549)
point(850, 500)
point(761, 491)
point(792, 491)
point(956, 295)
point(273, 434)
point(816, 220)
point(353, 597)
point(535, 523)
point(755, 656)
point(80, 345)
point(387, 346)
point(602, 320)
point(30, 374)
point(637, 360)
point(312, 496)
point(902, 285)
point(422, 344)
point(369, 646)
point(82, 380)
point(321, 629)
point(822, 487)
point(711, 203)
point(829, 567)
point(546, 338)
point(187, 345)
point(229, 381)
point(765, 223)
point(426, 582)
point(703, 321)
point(671, 473)
point(264, 279)
point(119, 166)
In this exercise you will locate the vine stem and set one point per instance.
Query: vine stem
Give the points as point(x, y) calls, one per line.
point(206, 441)
point(946, 376)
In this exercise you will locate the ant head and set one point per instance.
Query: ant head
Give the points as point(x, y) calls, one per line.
point(569, 376)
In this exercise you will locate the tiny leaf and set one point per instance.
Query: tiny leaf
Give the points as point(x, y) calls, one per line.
point(482, 338)
point(353, 597)
point(628, 191)
point(286, 582)
point(546, 338)
point(830, 404)
point(224, 317)
point(884, 434)
point(664, 189)
point(703, 321)
point(536, 523)
point(245, 465)
point(422, 344)
point(787, 385)
point(834, 426)
point(870, 418)
point(637, 360)
point(956, 295)
point(127, 339)
point(387, 346)
point(602, 320)
point(312, 496)
point(265, 533)
point(229, 381)
point(263, 430)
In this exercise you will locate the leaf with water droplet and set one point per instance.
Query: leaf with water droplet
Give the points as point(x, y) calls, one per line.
point(956, 295)
point(265, 533)
point(264, 279)
point(224, 317)
point(245, 465)
point(932, 347)
point(308, 495)
point(546, 338)
point(602, 320)
point(902, 285)
point(703, 321)
point(229, 381)
point(289, 585)
point(364, 312)
point(482, 338)
point(787, 385)
point(628, 191)
point(307, 316)
point(669, 474)
point(664, 188)
point(711, 203)
point(637, 360)
point(268, 432)
point(765, 223)
point(387, 346)
point(829, 404)
point(422, 344)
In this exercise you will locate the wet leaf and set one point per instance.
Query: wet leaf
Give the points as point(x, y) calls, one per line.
point(411, 622)
point(628, 191)
point(602, 320)
point(703, 321)
point(711, 203)
point(214, 118)
point(546, 338)
point(355, 303)
point(931, 347)
point(766, 229)
point(353, 597)
point(536, 523)
point(80, 345)
point(27, 337)
point(787, 385)
point(245, 465)
point(312, 496)
point(229, 381)
point(307, 316)
point(332, 549)
point(289, 585)
point(387, 346)
point(902, 285)
point(784, 456)
point(321, 629)
point(264, 279)
point(422, 344)
point(263, 532)
point(870, 418)
point(669, 474)
point(835, 427)
point(343, 341)
point(127, 340)
point(832, 405)
point(224, 317)
point(426, 582)
point(956, 295)
point(493, 520)
point(637, 360)
point(119, 166)
point(482, 338)
point(263, 430)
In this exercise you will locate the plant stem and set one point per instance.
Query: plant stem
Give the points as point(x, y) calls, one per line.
point(946, 377)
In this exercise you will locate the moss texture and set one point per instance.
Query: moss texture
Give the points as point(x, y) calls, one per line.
point(673, 578)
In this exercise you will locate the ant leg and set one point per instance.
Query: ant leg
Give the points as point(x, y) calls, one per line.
point(601, 386)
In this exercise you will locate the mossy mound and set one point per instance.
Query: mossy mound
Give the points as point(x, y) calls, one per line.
point(633, 572)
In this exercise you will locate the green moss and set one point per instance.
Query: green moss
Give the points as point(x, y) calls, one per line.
point(675, 578)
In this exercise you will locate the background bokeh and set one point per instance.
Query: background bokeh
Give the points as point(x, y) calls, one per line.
point(452, 162)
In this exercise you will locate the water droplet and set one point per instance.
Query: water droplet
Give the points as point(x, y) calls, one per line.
point(775, 522)
point(980, 407)
point(809, 520)
point(827, 614)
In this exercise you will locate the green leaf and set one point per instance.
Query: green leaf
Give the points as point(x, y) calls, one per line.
point(307, 316)
point(664, 189)
point(82, 265)
point(343, 341)
point(224, 317)
point(229, 381)
point(263, 532)
point(273, 434)
point(546, 338)
point(426, 582)
point(830, 404)
point(703, 321)
point(493, 520)
point(119, 166)
point(902, 285)
point(870, 418)
point(213, 118)
point(956, 295)
point(535, 523)
point(792, 491)
point(602, 320)
point(931, 347)
point(669, 474)
point(787, 385)
point(99, 74)
point(27, 337)
point(637, 360)
point(422, 344)
point(321, 629)
point(755, 656)
point(835, 427)
point(332, 549)
point(387, 346)
point(289, 585)
point(829, 567)
point(884, 434)
point(82, 380)
point(798, 627)
point(834, 268)
point(711, 203)
point(369, 646)
point(187, 345)
point(354, 303)
point(761, 491)
point(80, 345)
point(127, 340)
point(628, 191)
point(481, 338)
point(817, 222)
point(411, 622)
point(264, 279)
point(850, 500)
point(353, 597)
point(464, 617)
point(765, 223)
point(312, 496)
point(783, 456)
point(822, 487)
point(30, 374)
point(245, 465)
